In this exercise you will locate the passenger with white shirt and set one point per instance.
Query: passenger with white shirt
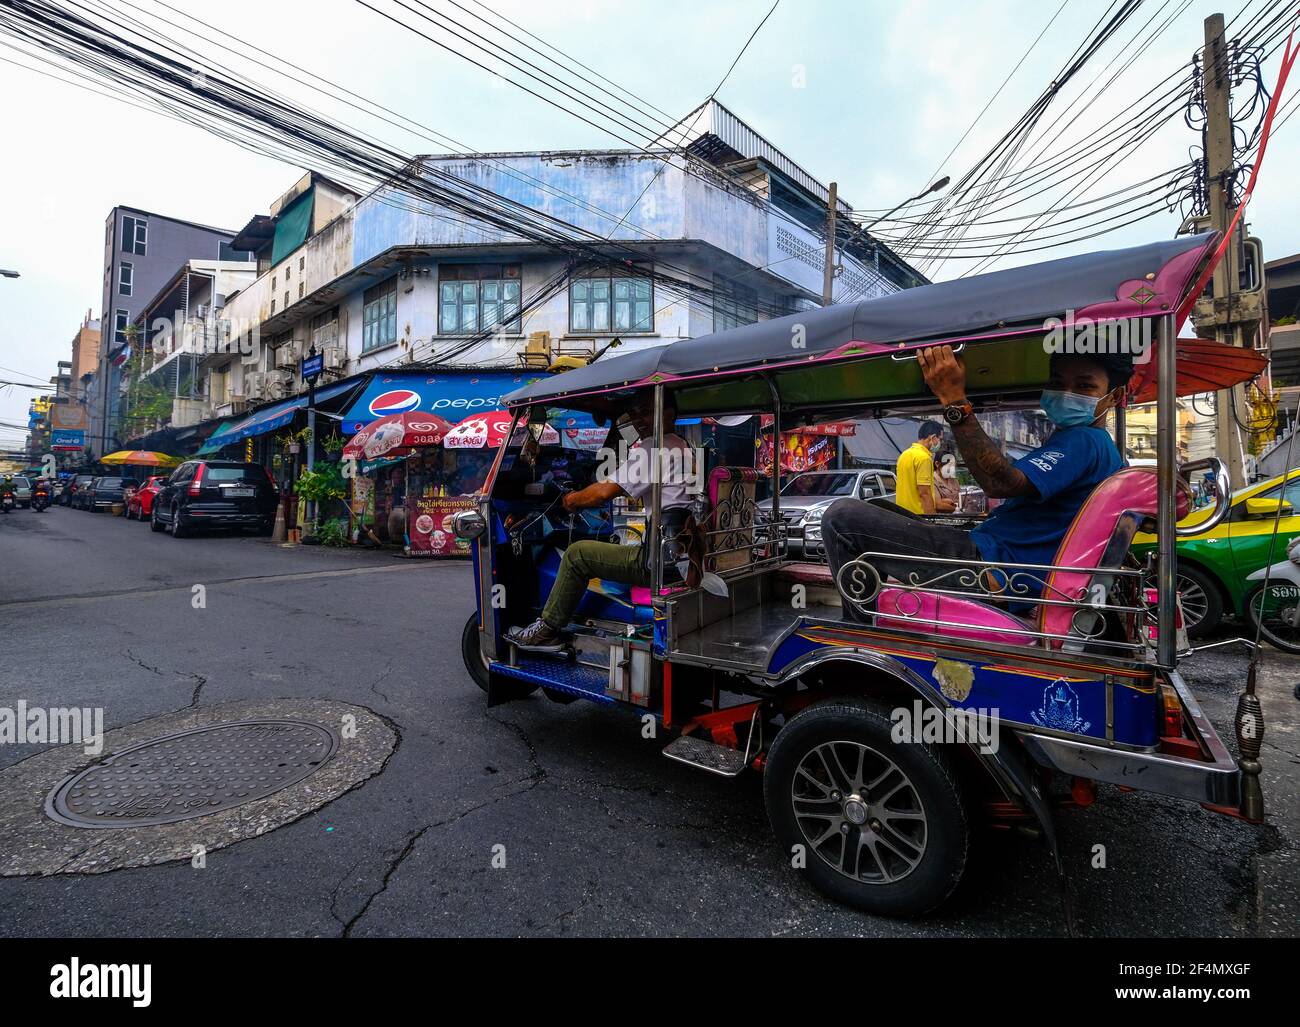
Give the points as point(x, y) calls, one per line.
point(588, 559)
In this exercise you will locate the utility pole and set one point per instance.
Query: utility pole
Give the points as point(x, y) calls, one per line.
point(1229, 315)
point(828, 276)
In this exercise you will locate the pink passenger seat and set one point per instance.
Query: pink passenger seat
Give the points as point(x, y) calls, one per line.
point(1098, 540)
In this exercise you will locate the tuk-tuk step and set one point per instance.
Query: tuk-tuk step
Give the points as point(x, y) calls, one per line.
point(700, 752)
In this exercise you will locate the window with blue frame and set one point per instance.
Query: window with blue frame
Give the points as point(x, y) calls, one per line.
point(379, 316)
point(611, 303)
point(479, 298)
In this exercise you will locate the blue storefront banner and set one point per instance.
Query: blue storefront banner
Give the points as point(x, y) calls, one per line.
point(63, 440)
point(453, 395)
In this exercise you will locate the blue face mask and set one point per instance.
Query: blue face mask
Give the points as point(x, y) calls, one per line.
point(1068, 409)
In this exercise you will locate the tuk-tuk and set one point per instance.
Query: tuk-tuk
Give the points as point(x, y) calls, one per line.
point(888, 718)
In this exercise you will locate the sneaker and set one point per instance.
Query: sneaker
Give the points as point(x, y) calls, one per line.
point(538, 637)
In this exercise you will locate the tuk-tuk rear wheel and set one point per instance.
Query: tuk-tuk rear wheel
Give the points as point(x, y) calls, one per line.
point(879, 825)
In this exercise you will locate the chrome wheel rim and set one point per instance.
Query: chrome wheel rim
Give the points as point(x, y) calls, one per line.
point(1194, 601)
point(859, 812)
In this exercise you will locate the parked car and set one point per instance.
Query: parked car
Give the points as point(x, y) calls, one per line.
point(215, 494)
point(71, 487)
point(22, 490)
point(806, 496)
point(1213, 567)
point(104, 492)
point(83, 493)
point(139, 503)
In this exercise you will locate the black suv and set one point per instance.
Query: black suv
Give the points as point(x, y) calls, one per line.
point(216, 494)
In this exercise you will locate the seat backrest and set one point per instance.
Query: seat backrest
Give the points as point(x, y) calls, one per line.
point(731, 523)
point(1099, 539)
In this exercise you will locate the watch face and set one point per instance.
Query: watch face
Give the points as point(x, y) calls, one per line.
point(954, 414)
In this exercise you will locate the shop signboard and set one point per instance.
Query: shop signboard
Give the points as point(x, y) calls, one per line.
point(429, 525)
point(63, 441)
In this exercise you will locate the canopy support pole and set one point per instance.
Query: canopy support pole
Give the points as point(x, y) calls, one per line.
point(1166, 475)
point(776, 454)
point(653, 520)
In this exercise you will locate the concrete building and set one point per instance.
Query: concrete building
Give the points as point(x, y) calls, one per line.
point(85, 347)
point(393, 280)
point(142, 250)
point(181, 330)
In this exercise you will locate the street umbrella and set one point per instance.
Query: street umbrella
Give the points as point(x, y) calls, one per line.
point(1203, 366)
point(488, 431)
point(140, 458)
point(396, 435)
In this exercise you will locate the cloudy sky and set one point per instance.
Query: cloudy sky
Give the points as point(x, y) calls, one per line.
point(875, 95)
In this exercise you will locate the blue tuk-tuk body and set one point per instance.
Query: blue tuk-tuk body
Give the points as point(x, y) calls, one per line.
point(764, 663)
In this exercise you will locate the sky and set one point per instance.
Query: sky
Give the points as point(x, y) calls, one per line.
point(874, 95)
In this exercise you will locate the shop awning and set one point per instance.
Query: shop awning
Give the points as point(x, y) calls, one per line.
point(449, 394)
point(207, 446)
point(276, 416)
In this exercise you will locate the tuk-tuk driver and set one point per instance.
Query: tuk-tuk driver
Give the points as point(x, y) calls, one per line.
point(588, 558)
point(1043, 490)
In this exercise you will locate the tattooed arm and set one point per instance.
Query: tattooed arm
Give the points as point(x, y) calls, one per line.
point(997, 476)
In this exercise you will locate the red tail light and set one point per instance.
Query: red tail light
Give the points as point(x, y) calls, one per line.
point(271, 479)
point(197, 483)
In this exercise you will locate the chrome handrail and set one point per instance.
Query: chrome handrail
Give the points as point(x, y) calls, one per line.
point(1222, 494)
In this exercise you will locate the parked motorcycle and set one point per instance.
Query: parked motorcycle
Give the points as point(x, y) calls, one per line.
point(1273, 608)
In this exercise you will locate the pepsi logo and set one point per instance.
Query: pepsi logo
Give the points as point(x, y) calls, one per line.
point(395, 401)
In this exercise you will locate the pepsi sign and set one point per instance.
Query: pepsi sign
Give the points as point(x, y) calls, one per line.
point(395, 401)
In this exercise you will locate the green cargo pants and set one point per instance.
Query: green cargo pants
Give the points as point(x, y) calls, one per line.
point(583, 561)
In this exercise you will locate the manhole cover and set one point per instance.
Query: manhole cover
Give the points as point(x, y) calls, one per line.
point(192, 773)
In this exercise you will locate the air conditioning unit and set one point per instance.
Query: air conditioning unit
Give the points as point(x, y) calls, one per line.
point(334, 358)
point(286, 357)
point(201, 312)
point(277, 384)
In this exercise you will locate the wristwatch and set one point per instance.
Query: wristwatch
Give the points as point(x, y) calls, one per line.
point(955, 413)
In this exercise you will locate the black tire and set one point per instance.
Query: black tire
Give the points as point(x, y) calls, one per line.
point(928, 804)
point(1281, 628)
point(154, 523)
point(176, 525)
point(472, 654)
point(1202, 600)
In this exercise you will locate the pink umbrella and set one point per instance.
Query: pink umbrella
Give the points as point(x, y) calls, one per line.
point(396, 435)
point(488, 431)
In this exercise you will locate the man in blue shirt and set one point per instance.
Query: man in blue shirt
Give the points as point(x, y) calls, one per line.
point(1043, 491)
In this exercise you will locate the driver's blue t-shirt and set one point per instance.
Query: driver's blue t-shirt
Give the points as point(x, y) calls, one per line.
point(1064, 470)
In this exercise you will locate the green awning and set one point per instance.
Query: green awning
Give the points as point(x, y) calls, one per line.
point(292, 226)
point(207, 447)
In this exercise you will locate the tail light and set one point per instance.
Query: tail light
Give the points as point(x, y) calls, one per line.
point(197, 484)
point(1171, 723)
point(271, 479)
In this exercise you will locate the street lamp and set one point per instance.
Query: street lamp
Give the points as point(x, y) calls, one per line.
point(934, 188)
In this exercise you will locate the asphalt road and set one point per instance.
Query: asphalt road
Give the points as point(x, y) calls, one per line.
point(600, 835)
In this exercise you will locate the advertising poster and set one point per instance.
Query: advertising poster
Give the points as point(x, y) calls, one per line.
point(429, 525)
point(799, 452)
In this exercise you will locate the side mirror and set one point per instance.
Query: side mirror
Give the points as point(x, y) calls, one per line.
point(1266, 507)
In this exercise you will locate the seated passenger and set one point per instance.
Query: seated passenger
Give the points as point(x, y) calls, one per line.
point(587, 558)
point(1044, 490)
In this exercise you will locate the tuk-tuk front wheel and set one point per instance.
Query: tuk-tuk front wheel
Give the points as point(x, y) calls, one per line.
point(477, 665)
point(475, 662)
point(876, 824)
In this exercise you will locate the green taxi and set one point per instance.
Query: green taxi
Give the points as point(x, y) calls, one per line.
point(1213, 566)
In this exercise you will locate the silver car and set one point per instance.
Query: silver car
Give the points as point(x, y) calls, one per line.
point(806, 496)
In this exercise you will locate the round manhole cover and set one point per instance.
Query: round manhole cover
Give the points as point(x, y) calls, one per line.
point(192, 773)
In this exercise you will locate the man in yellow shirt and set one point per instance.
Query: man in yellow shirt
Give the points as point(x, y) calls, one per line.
point(915, 472)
